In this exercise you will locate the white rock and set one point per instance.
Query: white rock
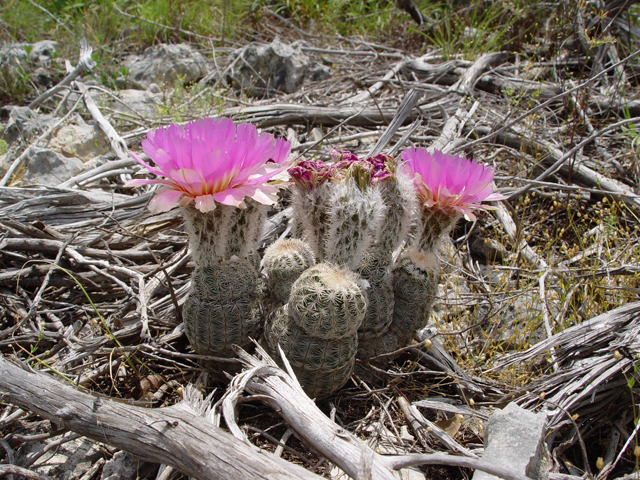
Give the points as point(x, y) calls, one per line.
point(514, 439)
point(165, 64)
point(276, 67)
point(81, 140)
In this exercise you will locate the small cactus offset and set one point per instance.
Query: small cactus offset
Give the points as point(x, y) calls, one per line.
point(317, 328)
point(283, 262)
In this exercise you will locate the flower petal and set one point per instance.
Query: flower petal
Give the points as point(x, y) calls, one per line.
point(164, 200)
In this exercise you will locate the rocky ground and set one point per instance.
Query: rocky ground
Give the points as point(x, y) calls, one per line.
point(536, 305)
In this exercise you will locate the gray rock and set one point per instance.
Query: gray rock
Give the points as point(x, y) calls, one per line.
point(123, 466)
point(13, 54)
point(514, 439)
point(82, 140)
point(24, 124)
point(46, 167)
point(276, 67)
point(138, 102)
point(166, 64)
point(42, 52)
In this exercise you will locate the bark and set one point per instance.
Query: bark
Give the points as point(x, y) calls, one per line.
point(173, 435)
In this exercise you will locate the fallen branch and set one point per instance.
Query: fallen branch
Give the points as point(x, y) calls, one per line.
point(172, 435)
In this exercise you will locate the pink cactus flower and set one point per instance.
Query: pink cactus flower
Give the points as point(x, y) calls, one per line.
point(212, 160)
point(449, 183)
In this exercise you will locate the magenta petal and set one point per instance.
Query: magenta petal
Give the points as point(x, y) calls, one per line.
point(145, 165)
point(214, 159)
point(164, 200)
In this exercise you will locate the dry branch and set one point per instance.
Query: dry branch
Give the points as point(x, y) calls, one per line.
point(173, 435)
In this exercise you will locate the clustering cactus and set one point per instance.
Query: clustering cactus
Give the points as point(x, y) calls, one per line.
point(318, 326)
point(362, 275)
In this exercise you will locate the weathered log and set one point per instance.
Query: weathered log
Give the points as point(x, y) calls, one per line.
point(170, 435)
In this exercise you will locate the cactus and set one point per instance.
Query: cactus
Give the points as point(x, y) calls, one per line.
point(223, 307)
point(415, 286)
point(354, 218)
point(316, 328)
point(283, 262)
point(400, 200)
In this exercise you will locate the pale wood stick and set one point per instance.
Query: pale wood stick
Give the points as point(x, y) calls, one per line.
point(172, 435)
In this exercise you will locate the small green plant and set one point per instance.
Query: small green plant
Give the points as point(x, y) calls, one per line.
point(3, 146)
point(469, 31)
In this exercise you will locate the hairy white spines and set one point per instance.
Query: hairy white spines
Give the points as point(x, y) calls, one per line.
point(401, 204)
point(311, 216)
point(224, 232)
point(355, 215)
point(328, 302)
point(223, 307)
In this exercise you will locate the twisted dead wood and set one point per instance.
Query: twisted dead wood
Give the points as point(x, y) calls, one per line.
point(171, 435)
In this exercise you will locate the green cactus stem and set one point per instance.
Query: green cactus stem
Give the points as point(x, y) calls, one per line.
point(415, 286)
point(222, 308)
point(355, 215)
point(317, 328)
point(283, 262)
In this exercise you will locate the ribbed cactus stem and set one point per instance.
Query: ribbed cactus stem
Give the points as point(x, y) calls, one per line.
point(415, 286)
point(222, 308)
point(375, 269)
point(401, 203)
point(317, 328)
point(355, 215)
point(224, 232)
point(283, 262)
point(433, 225)
point(310, 213)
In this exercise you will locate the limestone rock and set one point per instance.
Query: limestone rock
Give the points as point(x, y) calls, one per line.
point(165, 64)
point(42, 52)
point(276, 67)
point(82, 140)
point(24, 124)
point(514, 439)
point(138, 102)
point(46, 167)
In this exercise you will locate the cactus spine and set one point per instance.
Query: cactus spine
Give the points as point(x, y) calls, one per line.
point(223, 307)
point(400, 200)
point(317, 327)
